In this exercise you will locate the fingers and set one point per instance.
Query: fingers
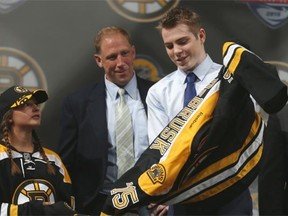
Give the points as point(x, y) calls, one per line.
point(160, 210)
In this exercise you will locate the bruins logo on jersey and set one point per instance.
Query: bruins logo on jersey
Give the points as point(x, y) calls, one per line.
point(142, 10)
point(18, 68)
point(34, 189)
point(157, 173)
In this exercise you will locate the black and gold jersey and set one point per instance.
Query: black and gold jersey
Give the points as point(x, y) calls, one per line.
point(24, 194)
point(210, 151)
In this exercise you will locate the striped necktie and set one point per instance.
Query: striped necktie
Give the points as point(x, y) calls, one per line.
point(190, 91)
point(124, 135)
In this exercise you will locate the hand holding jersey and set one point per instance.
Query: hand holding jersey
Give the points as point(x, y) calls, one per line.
point(211, 150)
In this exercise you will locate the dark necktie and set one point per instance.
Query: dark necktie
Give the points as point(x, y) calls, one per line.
point(190, 91)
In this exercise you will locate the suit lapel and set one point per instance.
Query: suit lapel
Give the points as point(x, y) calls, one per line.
point(143, 86)
point(97, 111)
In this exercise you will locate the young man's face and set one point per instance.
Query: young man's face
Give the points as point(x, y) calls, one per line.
point(182, 46)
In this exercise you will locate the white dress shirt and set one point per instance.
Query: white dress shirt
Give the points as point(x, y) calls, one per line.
point(165, 98)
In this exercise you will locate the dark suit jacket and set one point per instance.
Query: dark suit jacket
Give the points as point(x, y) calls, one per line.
point(83, 142)
point(273, 196)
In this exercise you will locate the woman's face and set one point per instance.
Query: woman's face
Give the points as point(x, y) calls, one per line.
point(27, 115)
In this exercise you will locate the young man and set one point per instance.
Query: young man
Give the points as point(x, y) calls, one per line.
point(88, 143)
point(206, 154)
point(184, 39)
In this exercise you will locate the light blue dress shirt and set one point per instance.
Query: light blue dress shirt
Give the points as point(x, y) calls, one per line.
point(165, 98)
point(139, 123)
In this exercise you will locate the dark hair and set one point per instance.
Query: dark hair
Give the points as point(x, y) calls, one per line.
point(5, 128)
point(180, 15)
point(109, 31)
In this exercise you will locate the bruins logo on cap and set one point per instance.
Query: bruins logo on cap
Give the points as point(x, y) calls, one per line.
point(18, 68)
point(32, 190)
point(142, 10)
point(20, 89)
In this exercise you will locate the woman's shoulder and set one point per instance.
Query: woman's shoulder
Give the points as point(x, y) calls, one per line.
point(3, 147)
point(51, 154)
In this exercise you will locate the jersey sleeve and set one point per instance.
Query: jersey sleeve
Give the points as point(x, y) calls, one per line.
point(36, 208)
point(29, 208)
point(260, 79)
point(62, 180)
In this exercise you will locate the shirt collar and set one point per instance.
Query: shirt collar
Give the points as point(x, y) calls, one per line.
point(131, 88)
point(200, 71)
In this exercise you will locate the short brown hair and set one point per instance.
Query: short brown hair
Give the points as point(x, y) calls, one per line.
point(106, 31)
point(180, 15)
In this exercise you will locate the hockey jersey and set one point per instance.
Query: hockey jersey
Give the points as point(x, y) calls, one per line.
point(24, 194)
point(210, 151)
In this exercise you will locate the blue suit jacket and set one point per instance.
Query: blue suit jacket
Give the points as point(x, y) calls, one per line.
point(83, 142)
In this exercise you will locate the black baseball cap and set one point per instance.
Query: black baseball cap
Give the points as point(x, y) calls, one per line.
point(17, 95)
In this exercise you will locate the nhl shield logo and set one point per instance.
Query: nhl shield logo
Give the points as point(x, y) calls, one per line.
point(273, 13)
point(8, 5)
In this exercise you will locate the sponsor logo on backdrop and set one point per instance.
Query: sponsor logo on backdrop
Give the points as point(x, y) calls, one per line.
point(18, 68)
point(142, 10)
point(8, 5)
point(147, 68)
point(273, 13)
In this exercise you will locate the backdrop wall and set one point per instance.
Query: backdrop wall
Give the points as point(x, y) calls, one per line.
point(49, 44)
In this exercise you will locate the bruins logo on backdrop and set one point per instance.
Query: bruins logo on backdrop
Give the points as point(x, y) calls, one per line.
point(147, 68)
point(142, 10)
point(18, 68)
point(32, 190)
point(8, 5)
point(273, 13)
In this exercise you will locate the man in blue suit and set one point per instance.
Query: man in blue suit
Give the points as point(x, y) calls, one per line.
point(87, 139)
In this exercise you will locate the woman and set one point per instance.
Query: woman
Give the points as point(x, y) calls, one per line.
point(33, 179)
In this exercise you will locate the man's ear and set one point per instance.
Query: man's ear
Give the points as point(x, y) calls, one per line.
point(98, 60)
point(202, 35)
